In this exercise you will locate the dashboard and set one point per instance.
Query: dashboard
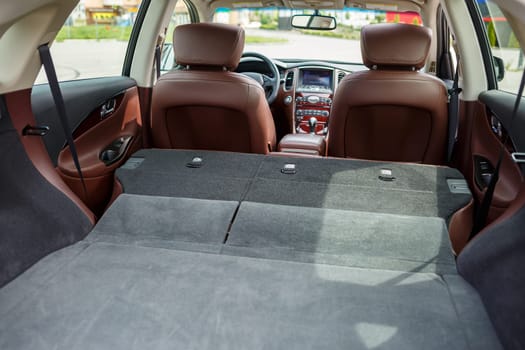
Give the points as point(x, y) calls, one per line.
point(314, 91)
point(306, 91)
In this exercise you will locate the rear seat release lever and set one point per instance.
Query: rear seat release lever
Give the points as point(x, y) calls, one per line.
point(196, 162)
point(386, 175)
point(288, 169)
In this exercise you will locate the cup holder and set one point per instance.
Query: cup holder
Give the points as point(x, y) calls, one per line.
point(115, 150)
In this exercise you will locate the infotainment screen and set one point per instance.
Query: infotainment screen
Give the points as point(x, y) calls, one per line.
point(317, 77)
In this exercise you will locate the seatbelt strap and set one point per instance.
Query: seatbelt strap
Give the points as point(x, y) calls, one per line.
point(157, 60)
point(483, 211)
point(453, 112)
point(47, 62)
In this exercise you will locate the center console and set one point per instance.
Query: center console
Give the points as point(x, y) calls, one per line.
point(306, 144)
point(313, 100)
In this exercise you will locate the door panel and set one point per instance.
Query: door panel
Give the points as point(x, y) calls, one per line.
point(478, 141)
point(81, 97)
point(501, 105)
point(106, 118)
point(486, 146)
point(19, 106)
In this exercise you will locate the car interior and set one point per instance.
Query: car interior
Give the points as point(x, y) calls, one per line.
point(210, 195)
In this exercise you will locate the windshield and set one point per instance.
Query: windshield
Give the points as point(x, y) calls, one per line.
point(268, 31)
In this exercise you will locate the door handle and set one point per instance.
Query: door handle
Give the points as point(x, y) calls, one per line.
point(107, 108)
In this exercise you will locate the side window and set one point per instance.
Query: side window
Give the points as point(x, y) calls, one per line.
point(181, 15)
point(508, 57)
point(93, 41)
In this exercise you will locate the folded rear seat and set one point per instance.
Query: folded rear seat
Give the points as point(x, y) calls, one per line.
point(417, 190)
point(331, 211)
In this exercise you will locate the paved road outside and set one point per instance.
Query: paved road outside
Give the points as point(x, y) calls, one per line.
point(80, 59)
point(307, 46)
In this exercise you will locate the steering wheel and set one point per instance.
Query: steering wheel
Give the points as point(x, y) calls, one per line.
point(269, 84)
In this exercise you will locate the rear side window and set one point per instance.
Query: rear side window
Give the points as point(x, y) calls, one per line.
point(181, 15)
point(504, 45)
point(93, 41)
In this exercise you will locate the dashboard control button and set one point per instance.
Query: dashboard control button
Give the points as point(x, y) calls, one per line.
point(313, 99)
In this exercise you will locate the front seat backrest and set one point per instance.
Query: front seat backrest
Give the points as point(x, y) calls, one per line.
point(391, 112)
point(205, 105)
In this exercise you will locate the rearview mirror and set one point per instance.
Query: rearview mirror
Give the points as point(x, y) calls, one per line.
point(316, 22)
point(499, 68)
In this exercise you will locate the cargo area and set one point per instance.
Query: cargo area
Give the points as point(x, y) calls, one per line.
point(213, 250)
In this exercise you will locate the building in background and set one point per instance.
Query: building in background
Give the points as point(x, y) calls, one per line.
point(404, 17)
point(122, 12)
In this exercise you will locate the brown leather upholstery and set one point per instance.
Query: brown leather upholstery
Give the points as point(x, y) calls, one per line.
point(303, 143)
point(392, 44)
point(208, 44)
point(203, 107)
point(390, 113)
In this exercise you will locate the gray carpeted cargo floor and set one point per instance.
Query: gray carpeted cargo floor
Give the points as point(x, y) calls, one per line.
point(105, 296)
point(205, 260)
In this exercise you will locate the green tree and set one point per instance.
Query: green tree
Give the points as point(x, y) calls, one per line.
point(513, 41)
point(491, 32)
point(379, 18)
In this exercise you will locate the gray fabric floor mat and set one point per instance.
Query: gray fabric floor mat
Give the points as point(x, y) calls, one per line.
point(124, 297)
point(180, 223)
point(350, 238)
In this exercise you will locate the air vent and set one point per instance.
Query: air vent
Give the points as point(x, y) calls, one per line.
point(340, 76)
point(288, 81)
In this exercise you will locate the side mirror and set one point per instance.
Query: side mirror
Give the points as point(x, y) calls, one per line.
point(316, 22)
point(499, 68)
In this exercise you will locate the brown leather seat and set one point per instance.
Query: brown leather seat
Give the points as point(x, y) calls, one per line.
point(206, 106)
point(391, 112)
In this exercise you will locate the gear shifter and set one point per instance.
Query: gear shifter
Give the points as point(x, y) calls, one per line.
point(312, 123)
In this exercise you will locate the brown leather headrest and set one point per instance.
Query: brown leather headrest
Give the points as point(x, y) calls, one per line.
point(208, 44)
point(395, 45)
